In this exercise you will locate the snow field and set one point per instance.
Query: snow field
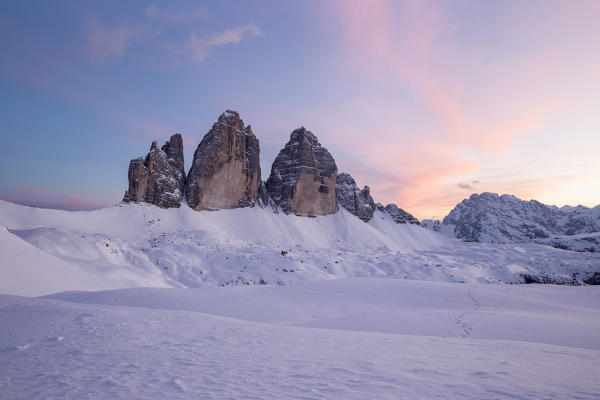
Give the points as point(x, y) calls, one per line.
point(330, 339)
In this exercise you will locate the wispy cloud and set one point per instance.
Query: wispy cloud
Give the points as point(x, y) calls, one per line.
point(464, 185)
point(199, 47)
point(104, 42)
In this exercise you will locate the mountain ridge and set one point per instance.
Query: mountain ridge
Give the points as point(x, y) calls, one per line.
point(492, 218)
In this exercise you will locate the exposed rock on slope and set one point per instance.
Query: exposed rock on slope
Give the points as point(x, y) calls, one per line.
point(225, 172)
point(263, 195)
point(303, 177)
point(506, 219)
point(159, 178)
point(358, 202)
point(399, 215)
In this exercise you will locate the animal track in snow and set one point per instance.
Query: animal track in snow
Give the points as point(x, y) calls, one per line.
point(460, 317)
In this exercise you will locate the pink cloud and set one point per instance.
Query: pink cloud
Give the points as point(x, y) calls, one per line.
point(74, 199)
point(472, 105)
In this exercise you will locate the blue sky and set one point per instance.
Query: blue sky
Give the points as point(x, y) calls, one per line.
point(425, 102)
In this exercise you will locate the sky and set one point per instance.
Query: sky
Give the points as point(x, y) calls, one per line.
point(425, 101)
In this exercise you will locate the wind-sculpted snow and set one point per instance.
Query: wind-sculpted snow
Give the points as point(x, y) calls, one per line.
point(491, 218)
point(350, 339)
point(143, 245)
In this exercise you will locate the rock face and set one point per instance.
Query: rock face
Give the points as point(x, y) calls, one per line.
point(491, 218)
point(263, 195)
point(358, 202)
point(399, 215)
point(303, 177)
point(225, 172)
point(159, 178)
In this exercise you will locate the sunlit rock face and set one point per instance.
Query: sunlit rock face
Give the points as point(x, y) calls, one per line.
point(303, 177)
point(225, 172)
point(159, 178)
point(358, 201)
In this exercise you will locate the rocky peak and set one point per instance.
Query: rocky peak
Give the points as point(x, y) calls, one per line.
point(174, 150)
point(399, 215)
point(225, 172)
point(488, 217)
point(157, 179)
point(230, 117)
point(303, 177)
point(358, 202)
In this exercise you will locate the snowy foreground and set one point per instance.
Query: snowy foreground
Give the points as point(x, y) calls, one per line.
point(144, 303)
point(352, 338)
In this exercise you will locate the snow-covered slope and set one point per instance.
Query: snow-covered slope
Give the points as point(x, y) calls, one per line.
point(491, 218)
point(143, 245)
point(345, 339)
point(29, 271)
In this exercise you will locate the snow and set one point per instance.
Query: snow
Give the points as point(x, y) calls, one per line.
point(355, 338)
point(136, 308)
point(30, 271)
point(143, 245)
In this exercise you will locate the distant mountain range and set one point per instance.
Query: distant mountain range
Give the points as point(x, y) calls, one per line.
point(490, 218)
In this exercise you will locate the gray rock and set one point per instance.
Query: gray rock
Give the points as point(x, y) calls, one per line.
point(263, 195)
point(303, 177)
point(159, 178)
point(399, 215)
point(358, 202)
point(225, 172)
point(173, 148)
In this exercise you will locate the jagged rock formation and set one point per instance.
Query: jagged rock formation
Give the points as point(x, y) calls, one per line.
point(491, 218)
point(358, 202)
point(159, 178)
point(303, 177)
point(263, 195)
point(399, 215)
point(225, 172)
